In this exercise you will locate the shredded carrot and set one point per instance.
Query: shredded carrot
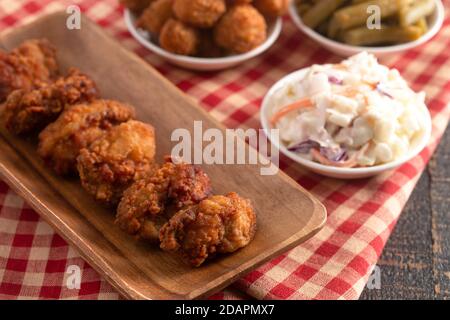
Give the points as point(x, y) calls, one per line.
point(373, 86)
point(306, 103)
point(303, 103)
point(340, 66)
point(350, 163)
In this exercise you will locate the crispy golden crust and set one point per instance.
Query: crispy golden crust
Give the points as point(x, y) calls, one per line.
point(27, 111)
point(188, 185)
point(272, 8)
point(241, 29)
point(218, 224)
point(193, 234)
point(115, 161)
point(180, 38)
point(141, 210)
point(33, 61)
point(239, 221)
point(199, 13)
point(76, 87)
point(144, 207)
point(136, 5)
point(155, 16)
point(76, 128)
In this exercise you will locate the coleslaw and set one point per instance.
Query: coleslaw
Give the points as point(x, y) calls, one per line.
point(357, 113)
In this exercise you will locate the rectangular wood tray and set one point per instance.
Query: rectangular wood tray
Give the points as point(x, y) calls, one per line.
point(287, 214)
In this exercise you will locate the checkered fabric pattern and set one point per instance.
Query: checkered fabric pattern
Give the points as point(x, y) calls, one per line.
point(335, 264)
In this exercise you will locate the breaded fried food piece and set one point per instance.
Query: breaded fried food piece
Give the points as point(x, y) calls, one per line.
point(136, 5)
point(241, 29)
point(143, 208)
point(179, 38)
point(188, 185)
point(155, 16)
point(199, 13)
point(112, 163)
point(218, 224)
point(33, 61)
point(27, 111)
point(272, 8)
point(76, 128)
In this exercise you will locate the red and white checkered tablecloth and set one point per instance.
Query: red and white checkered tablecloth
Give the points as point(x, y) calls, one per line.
point(335, 264)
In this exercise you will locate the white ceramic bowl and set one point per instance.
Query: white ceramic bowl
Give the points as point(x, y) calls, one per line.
point(334, 172)
point(195, 63)
point(435, 22)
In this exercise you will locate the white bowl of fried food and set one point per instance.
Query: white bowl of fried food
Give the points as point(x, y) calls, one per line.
point(350, 120)
point(205, 34)
point(380, 27)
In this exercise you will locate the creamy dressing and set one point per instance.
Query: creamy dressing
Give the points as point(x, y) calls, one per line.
point(357, 107)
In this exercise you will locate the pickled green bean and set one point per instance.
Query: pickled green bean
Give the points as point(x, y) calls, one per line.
point(422, 24)
point(356, 16)
point(386, 35)
point(320, 12)
point(348, 20)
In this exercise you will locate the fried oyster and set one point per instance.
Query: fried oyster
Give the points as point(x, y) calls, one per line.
point(76, 128)
point(116, 160)
point(143, 209)
point(218, 224)
point(32, 62)
point(31, 110)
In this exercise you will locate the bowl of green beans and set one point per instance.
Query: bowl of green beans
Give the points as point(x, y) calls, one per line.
point(380, 27)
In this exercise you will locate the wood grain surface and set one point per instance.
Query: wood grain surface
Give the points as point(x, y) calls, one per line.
point(416, 261)
point(137, 270)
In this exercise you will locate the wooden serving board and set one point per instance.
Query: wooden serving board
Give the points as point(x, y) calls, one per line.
point(287, 214)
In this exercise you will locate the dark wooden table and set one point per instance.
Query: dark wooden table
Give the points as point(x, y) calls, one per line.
point(416, 261)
